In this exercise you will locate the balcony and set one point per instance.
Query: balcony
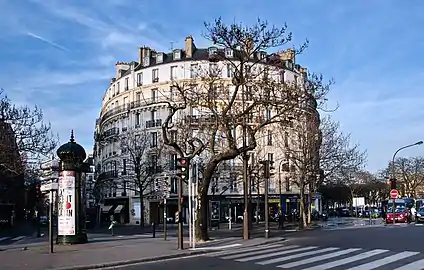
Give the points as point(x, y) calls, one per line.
point(110, 132)
point(127, 107)
point(154, 123)
point(107, 175)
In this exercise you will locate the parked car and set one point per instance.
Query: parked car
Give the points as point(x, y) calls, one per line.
point(419, 216)
point(402, 214)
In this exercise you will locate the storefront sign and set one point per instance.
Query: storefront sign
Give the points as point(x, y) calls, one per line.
point(66, 203)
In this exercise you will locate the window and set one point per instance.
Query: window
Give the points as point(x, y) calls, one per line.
point(287, 184)
point(269, 138)
point(146, 61)
point(282, 75)
point(271, 156)
point(173, 135)
point(286, 139)
point(124, 166)
point(126, 84)
point(117, 88)
point(154, 141)
point(230, 71)
point(155, 75)
point(213, 69)
point(193, 70)
point(177, 55)
point(139, 79)
point(296, 78)
point(154, 94)
point(173, 162)
point(153, 114)
point(159, 58)
point(228, 53)
point(173, 72)
point(154, 163)
point(138, 96)
point(113, 90)
point(137, 119)
point(174, 185)
point(268, 114)
point(212, 50)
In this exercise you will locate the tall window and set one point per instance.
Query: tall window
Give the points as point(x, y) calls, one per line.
point(154, 140)
point(155, 75)
point(269, 138)
point(140, 79)
point(173, 72)
point(126, 83)
point(193, 70)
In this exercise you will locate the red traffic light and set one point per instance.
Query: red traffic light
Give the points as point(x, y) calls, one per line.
point(37, 187)
point(183, 161)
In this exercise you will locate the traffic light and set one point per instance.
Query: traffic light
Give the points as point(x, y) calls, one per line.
point(268, 168)
point(393, 183)
point(183, 168)
point(38, 193)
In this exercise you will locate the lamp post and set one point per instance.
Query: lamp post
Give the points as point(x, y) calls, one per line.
point(394, 170)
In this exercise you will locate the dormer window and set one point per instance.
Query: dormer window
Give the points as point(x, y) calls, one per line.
point(177, 55)
point(228, 53)
point(146, 61)
point(212, 50)
point(261, 55)
point(159, 58)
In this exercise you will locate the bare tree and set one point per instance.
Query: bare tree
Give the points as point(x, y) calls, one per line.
point(303, 155)
point(24, 138)
point(336, 151)
point(409, 173)
point(225, 107)
point(144, 154)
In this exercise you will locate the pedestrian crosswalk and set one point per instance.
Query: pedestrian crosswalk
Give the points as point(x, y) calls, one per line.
point(10, 239)
point(322, 258)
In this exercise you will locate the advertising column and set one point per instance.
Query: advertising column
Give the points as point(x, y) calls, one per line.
point(66, 203)
point(71, 214)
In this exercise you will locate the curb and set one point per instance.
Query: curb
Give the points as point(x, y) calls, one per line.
point(134, 261)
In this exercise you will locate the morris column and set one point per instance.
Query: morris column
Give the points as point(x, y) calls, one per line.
point(71, 214)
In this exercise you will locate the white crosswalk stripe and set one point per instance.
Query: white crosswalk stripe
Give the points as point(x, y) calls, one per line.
point(323, 258)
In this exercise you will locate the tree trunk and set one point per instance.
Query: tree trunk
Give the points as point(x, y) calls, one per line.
point(202, 217)
point(309, 209)
point(141, 209)
point(203, 202)
point(302, 223)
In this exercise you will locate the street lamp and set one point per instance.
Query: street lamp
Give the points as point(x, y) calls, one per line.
point(394, 170)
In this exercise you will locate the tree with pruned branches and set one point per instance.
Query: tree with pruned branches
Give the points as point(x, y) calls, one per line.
point(225, 108)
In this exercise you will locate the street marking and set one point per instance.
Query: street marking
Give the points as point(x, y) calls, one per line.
point(347, 260)
point(3, 238)
point(384, 261)
point(273, 254)
point(18, 238)
point(244, 250)
point(318, 258)
point(236, 256)
point(417, 265)
point(286, 258)
point(216, 247)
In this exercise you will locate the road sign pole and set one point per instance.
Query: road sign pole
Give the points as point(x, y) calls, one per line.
point(394, 194)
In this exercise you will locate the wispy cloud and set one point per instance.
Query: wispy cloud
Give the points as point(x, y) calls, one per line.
point(48, 42)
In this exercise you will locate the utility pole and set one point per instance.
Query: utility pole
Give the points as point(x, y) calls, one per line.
point(182, 173)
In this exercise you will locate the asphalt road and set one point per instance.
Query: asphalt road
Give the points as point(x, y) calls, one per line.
point(388, 247)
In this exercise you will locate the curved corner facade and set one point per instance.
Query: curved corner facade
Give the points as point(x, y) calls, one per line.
point(133, 102)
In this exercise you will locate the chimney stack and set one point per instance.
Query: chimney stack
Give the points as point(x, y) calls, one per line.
point(189, 46)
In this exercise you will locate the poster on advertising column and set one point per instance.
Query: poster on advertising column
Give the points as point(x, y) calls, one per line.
point(66, 203)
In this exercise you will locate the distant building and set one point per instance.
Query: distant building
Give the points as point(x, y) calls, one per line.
point(12, 184)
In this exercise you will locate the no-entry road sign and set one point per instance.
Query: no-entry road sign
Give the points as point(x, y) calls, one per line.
point(394, 193)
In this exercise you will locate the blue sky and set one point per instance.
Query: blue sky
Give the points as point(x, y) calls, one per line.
point(60, 55)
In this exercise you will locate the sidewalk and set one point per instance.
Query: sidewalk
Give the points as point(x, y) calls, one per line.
point(107, 254)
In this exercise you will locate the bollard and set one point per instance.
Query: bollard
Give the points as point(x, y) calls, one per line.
point(154, 230)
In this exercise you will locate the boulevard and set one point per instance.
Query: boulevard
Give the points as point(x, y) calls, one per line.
point(386, 247)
